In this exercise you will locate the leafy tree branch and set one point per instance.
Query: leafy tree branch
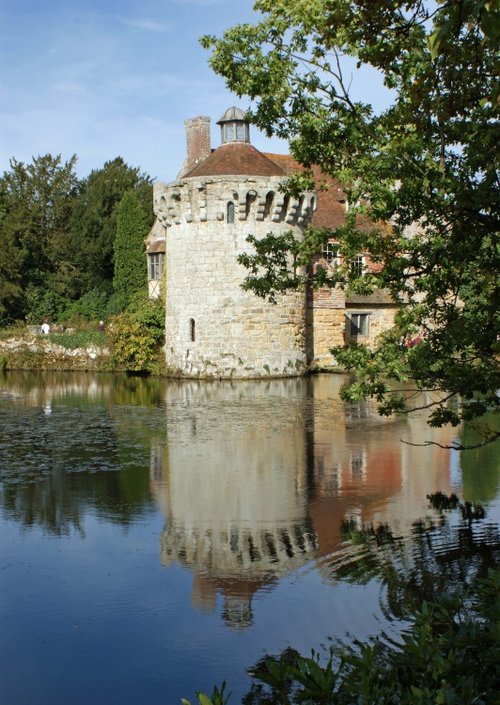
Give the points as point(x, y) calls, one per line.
point(421, 176)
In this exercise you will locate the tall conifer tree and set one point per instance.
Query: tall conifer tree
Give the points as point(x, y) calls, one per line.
point(129, 249)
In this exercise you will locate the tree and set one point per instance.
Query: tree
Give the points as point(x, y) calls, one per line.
point(421, 176)
point(129, 250)
point(93, 224)
point(37, 199)
point(10, 270)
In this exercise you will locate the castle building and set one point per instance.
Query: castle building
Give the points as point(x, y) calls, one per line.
point(214, 328)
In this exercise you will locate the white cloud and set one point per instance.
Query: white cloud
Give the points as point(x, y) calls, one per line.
point(146, 24)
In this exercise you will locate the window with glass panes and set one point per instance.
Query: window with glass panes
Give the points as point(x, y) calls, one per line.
point(358, 324)
point(330, 252)
point(357, 265)
point(155, 265)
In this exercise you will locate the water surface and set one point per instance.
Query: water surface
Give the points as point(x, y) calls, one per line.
point(157, 537)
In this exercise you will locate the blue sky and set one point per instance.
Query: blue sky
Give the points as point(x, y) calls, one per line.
point(102, 78)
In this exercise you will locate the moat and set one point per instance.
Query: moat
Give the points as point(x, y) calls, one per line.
point(159, 536)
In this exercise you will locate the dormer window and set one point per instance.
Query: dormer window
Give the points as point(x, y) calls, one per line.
point(234, 126)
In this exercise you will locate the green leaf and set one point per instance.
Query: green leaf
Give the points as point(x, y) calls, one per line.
point(204, 699)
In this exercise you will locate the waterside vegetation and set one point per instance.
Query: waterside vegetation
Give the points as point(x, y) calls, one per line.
point(131, 342)
point(72, 257)
point(60, 257)
point(444, 584)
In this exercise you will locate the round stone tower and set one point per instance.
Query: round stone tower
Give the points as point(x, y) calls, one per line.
point(213, 327)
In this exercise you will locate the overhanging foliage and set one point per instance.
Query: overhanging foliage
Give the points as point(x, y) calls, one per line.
point(423, 172)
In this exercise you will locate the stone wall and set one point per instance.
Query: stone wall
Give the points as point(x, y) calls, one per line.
point(216, 329)
point(213, 327)
point(326, 322)
point(37, 352)
point(381, 319)
point(327, 332)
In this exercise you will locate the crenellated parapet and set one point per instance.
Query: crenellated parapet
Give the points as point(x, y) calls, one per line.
point(230, 199)
point(229, 551)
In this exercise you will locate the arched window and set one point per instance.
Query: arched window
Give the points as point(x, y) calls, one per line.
point(230, 212)
point(192, 330)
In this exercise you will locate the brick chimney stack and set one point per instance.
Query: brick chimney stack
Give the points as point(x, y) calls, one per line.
point(197, 142)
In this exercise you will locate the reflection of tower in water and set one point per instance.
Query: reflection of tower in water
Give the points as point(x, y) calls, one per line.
point(260, 477)
point(236, 495)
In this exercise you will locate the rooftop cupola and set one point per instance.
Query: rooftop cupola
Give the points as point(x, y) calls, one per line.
point(234, 126)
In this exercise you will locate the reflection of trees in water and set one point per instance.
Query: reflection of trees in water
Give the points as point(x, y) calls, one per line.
point(80, 388)
point(85, 455)
point(46, 503)
point(58, 501)
point(435, 557)
point(439, 579)
point(480, 466)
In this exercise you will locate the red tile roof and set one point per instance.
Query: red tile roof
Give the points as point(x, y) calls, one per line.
point(238, 159)
point(242, 159)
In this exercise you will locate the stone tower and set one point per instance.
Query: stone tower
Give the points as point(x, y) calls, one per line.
point(213, 327)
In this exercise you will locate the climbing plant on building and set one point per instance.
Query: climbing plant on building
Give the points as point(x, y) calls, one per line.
point(420, 175)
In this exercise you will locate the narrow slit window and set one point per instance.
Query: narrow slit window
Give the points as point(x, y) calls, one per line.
point(192, 330)
point(230, 212)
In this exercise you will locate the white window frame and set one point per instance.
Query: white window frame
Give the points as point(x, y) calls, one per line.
point(330, 253)
point(357, 266)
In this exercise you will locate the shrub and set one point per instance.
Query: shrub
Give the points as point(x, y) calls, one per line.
point(92, 306)
point(136, 337)
point(42, 304)
point(79, 339)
